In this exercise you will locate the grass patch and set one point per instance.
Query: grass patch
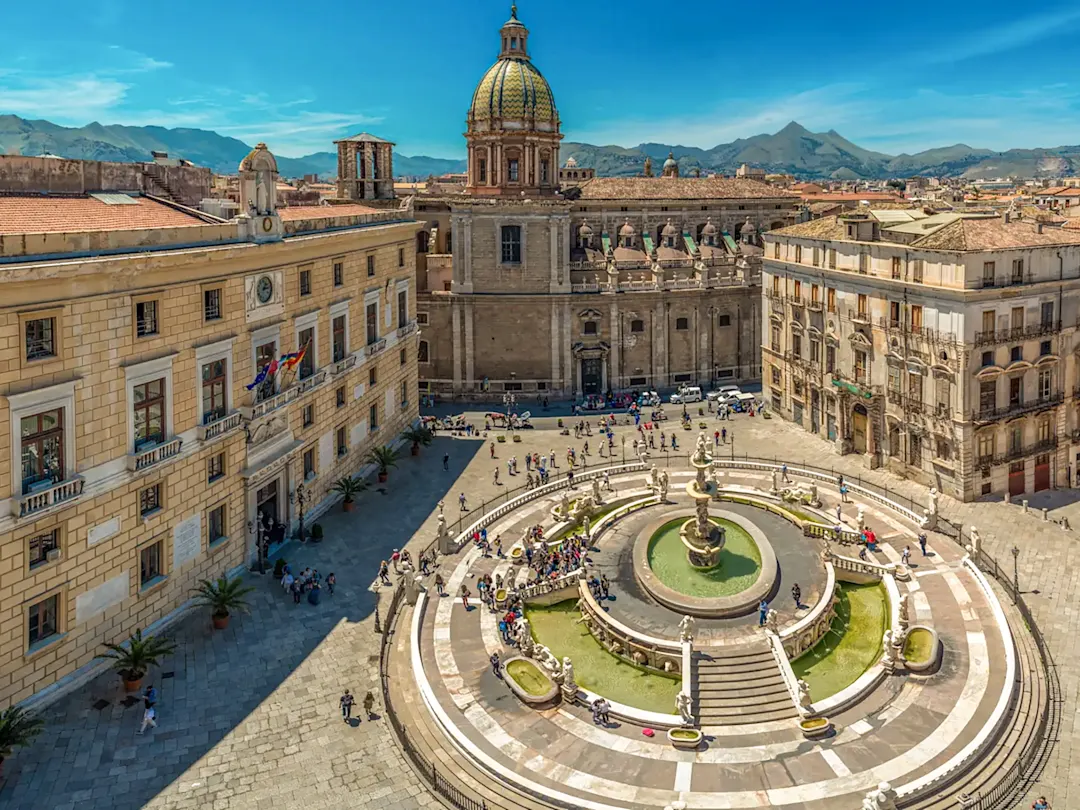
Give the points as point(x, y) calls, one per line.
point(595, 668)
point(529, 677)
point(917, 645)
point(852, 645)
point(739, 568)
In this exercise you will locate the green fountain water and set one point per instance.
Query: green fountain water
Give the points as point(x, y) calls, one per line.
point(738, 567)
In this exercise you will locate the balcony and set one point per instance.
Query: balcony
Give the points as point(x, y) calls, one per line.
point(988, 282)
point(815, 306)
point(859, 387)
point(149, 457)
point(1014, 453)
point(598, 265)
point(343, 365)
point(373, 349)
point(311, 383)
point(907, 403)
point(858, 315)
point(47, 496)
point(1017, 408)
point(219, 427)
point(1035, 330)
point(594, 287)
point(440, 261)
point(269, 405)
point(774, 295)
point(407, 329)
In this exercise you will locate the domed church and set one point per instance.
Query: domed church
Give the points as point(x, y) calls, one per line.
point(539, 278)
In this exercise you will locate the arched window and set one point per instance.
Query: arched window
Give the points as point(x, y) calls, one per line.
point(422, 352)
point(637, 326)
point(682, 324)
point(590, 327)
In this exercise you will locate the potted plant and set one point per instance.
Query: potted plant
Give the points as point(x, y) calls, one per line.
point(317, 532)
point(347, 487)
point(135, 656)
point(418, 435)
point(383, 458)
point(222, 597)
point(17, 730)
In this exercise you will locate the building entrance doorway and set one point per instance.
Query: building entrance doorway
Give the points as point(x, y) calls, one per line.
point(1042, 473)
point(592, 375)
point(815, 411)
point(859, 421)
point(1017, 473)
point(267, 508)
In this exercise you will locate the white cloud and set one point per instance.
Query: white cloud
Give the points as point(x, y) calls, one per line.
point(72, 98)
point(1017, 33)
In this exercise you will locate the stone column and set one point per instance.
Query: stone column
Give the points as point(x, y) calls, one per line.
point(555, 372)
point(455, 334)
point(553, 227)
point(470, 347)
point(616, 348)
point(564, 338)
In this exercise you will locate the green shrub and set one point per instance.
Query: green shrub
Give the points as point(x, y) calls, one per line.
point(316, 532)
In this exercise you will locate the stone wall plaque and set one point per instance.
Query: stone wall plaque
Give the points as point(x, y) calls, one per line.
point(104, 596)
point(187, 540)
point(103, 531)
point(326, 451)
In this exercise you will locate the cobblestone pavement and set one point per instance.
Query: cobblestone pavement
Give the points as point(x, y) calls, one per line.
point(250, 714)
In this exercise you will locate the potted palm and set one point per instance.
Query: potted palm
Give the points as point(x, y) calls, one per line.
point(222, 597)
point(347, 488)
point(417, 435)
point(383, 458)
point(135, 656)
point(17, 730)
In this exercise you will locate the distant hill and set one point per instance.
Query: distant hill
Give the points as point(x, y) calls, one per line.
point(792, 150)
point(203, 147)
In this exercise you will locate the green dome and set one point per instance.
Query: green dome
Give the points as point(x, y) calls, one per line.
point(513, 89)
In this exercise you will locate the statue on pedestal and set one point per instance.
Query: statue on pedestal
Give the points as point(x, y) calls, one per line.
point(883, 798)
point(774, 489)
point(805, 701)
point(663, 486)
point(683, 704)
point(596, 490)
point(772, 621)
point(888, 651)
point(904, 607)
point(814, 500)
point(686, 628)
point(654, 477)
point(414, 586)
point(975, 540)
point(569, 685)
point(585, 525)
point(860, 519)
point(932, 508)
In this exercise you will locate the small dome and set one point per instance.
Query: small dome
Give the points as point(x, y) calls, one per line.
point(749, 227)
point(571, 163)
point(709, 229)
point(670, 163)
point(585, 231)
point(670, 229)
point(627, 229)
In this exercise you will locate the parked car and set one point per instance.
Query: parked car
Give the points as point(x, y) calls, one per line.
point(649, 399)
point(689, 394)
point(724, 392)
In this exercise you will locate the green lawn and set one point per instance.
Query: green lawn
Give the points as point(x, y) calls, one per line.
point(740, 561)
point(596, 669)
point(852, 645)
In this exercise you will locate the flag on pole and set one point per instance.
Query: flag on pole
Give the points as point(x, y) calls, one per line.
point(260, 377)
point(294, 359)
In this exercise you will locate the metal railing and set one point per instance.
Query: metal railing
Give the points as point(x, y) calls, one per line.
point(1034, 330)
point(1017, 408)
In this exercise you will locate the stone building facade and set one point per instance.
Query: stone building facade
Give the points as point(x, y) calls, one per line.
point(134, 460)
point(587, 286)
point(942, 346)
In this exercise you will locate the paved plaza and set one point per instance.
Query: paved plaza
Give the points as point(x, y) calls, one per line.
point(250, 715)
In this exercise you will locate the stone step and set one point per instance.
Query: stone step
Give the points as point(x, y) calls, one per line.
point(748, 667)
point(717, 703)
point(709, 717)
point(738, 680)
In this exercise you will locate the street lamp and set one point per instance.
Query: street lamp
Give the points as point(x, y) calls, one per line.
point(1016, 573)
point(624, 448)
point(256, 528)
point(299, 497)
point(509, 401)
point(732, 434)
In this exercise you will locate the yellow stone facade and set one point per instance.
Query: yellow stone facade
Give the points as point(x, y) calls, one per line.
point(116, 535)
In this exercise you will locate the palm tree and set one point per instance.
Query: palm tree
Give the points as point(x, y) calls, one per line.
point(384, 458)
point(17, 730)
point(135, 656)
point(222, 597)
point(348, 487)
point(418, 435)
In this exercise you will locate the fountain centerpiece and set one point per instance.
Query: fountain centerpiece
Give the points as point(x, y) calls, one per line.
point(703, 539)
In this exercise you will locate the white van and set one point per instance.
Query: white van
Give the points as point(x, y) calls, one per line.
point(723, 393)
point(689, 394)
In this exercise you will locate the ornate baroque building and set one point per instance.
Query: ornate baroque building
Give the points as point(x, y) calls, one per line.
point(543, 279)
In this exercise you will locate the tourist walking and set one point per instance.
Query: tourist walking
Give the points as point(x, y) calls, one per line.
point(369, 703)
point(149, 718)
point(446, 461)
point(496, 665)
point(384, 574)
point(763, 611)
point(605, 707)
point(1040, 804)
point(465, 596)
point(596, 711)
point(493, 449)
point(796, 594)
point(496, 476)
point(783, 472)
point(839, 517)
point(922, 542)
point(331, 580)
point(461, 500)
point(439, 584)
point(723, 435)
point(905, 557)
point(604, 585)
point(346, 706)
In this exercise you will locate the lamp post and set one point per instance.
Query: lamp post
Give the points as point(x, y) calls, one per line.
point(1016, 573)
point(299, 497)
point(256, 528)
point(732, 434)
point(624, 448)
point(509, 401)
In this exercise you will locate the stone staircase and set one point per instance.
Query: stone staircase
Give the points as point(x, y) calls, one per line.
point(739, 687)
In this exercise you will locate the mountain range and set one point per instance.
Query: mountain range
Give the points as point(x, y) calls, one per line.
point(793, 150)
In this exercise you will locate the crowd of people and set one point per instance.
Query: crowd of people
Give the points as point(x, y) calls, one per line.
point(308, 582)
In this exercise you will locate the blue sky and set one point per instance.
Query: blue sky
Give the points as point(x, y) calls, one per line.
point(892, 78)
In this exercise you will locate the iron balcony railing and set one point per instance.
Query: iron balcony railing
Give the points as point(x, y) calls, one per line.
point(1017, 408)
point(1035, 330)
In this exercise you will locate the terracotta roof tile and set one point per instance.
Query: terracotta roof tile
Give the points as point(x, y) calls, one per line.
point(294, 212)
point(856, 196)
point(37, 214)
point(995, 234)
point(824, 228)
point(679, 188)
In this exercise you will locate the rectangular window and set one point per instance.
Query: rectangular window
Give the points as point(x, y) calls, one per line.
point(543, 172)
point(831, 298)
point(862, 371)
point(371, 266)
point(308, 415)
point(43, 620)
point(796, 345)
point(481, 170)
point(339, 397)
point(214, 385)
point(1044, 348)
point(942, 449)
point(337, 338)
point(817, 257)
point(815, 351)
point(1017, 276)
point(342, 442)
point(305, 342)
point(401, 257)
point(987, 396)
point(371, 377)
point(832, 258)
point(896, 267)
point(216, 530)
point(775, 376)
point(917, 271)
point(512, 170)
point(146, 319)
point(402, 308)
point(40, 338)
point(774, 342)
point(309, 464)
point(776, 250)
point(402, 355)
point(422, 318)
point(798, 290)
point(215, 468)
point(150, 500)
point(373, 416)
point(152, 564)
point(1046, 314)
point(265, 354)
point(511, 244)
point(39, 546)
point(942, 391)
point(305, 282)
point(862, 305)
point(916, 316)
point(894, 314)
point(776, 285)
point(988, 274)
point(212, 304)
point(798, 253)
point(1016, 391)
point(1016, 439)
point(1046, 384)
point(149, 413)
point(864, 263)
point(339, 273)
point(915, 387)
point(1016, 320)
point(830, 359)
point(986, 447)
point(371, 316)
point(815, 294)
point(42, 449)
point(988, 318)
point(894, 380)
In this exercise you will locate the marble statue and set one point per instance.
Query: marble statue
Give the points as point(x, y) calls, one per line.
point(932, 502)
point(569, 685)
point(596, 490)
point(772, 621)
point(441, 505)
point(547, 659)
point(585, 525)
point(974, 540)
point(663, 486)
point(860, 518)
point(564, 505)
point(414, 586)
point(443, 540)
point(682, 706)
point(774, 488)
point(654, 477)
point(701, 452)
point(805, 701)
point(814, 500)
point(889, 651)
point(904, 607)
point(882, 798)
point(686, 628)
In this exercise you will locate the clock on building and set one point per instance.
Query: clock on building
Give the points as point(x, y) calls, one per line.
point(264, 289)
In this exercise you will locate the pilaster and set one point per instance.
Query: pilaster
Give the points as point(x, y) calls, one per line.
point(616, 348)
point(470, 347)
point(455, 334)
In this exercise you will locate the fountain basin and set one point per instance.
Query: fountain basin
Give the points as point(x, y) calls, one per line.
point(740, 599)
point(530, 683)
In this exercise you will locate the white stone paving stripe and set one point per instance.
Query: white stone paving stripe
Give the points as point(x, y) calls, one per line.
point(909, 693)
point(833, 759)
point(922, 606)
point(959, 592)
point(861, 727)
point(684, 772)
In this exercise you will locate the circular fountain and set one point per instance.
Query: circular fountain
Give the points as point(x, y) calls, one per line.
point(703, 539)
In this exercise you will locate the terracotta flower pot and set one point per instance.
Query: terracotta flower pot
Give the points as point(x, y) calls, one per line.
point(382, 478)
point(220, 622)
point(415, 449)
point(346, 506)
point(132, 684)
